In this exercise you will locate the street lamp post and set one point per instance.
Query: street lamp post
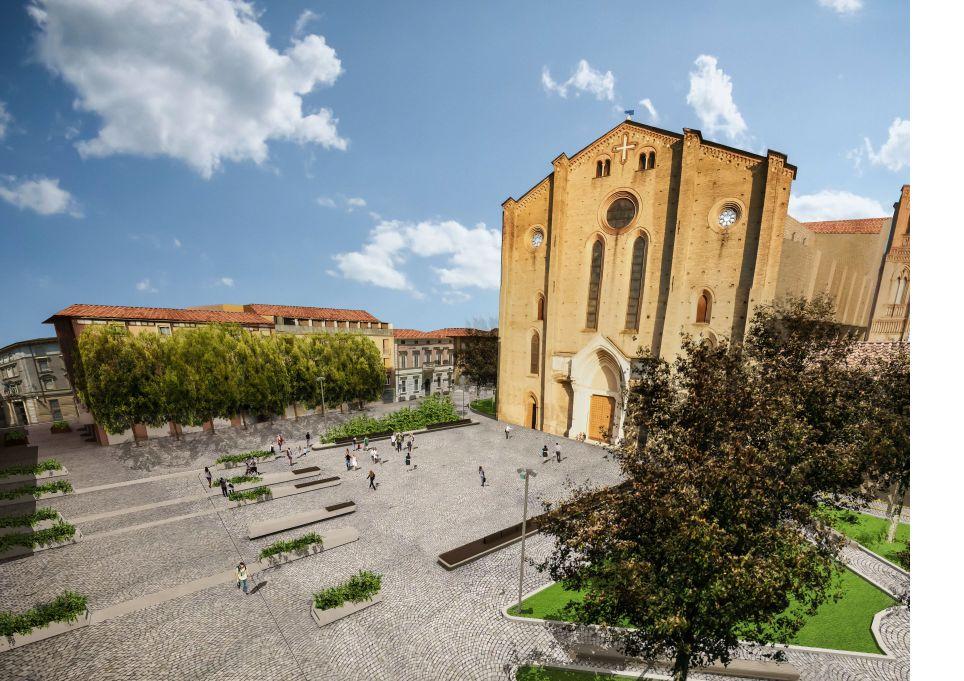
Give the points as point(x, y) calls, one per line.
point(525, 474)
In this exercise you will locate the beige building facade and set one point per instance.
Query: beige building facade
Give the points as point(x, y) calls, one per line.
point(642, 236)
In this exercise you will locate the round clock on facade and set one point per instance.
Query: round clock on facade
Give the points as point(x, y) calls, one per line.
point(537, 238)
point(727, 217)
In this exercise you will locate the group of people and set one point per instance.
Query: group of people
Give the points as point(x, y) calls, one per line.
point(279, 448)
point(545, 452)
point(397, 441)
point(226, 487)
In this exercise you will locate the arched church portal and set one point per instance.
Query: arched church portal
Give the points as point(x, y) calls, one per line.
point(597, 385)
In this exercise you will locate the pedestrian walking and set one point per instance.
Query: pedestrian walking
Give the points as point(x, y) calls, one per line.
point(366, 442)
point(410, 444)
point(354, 443)
point(392, 440)
point(408, 459)
point(208, 476)
point(224, 487)
point(230, 488)
point(558, 453)
point(347, 460)
point(545, 451)
point(482, 475)
point(354, 463)
point(507, 429)
point(281, 441)
point(398, 443)
point(308, 438)
point(290, 460)
point(242, 574)
point(371, 479)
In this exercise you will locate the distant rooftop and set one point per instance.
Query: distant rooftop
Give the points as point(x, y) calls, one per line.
point(159, 314)
point(448, 332)
point(861, 226)
point(301, 312)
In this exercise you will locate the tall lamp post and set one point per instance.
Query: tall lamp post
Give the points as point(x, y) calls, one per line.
point(525, 474)
point(324, 413)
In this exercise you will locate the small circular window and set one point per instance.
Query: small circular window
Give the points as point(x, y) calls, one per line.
point(620, 213)
point(537, 238)
point(728, 216)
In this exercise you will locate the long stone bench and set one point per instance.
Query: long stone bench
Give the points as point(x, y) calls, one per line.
point(271, 479)
point(489, 543)
point(744, 669)
point(266, 527)
point(289, 490)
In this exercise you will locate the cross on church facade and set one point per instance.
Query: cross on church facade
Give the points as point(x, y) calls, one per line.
point(624, 147)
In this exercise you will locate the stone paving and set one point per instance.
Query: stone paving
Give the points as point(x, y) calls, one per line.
point(432, 624)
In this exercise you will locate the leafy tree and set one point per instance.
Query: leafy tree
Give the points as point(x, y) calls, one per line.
point(210, 370)
point(729, 456)
point(477, 358)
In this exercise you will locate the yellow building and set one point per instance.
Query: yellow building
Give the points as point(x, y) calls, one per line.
point(640, 237)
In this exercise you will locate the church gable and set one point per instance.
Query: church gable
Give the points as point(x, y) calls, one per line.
point(624, 143)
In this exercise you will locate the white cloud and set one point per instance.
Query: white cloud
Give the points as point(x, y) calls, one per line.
point(893, 154)
point(648, 105)
point(177, 242)
point(195, 80)
point(833, 204)
point(145, 286)
point(5, 120)
point(473, 255)
point(355, 202)
point(711, 96)
point(325, 201)
point(305, 18)
point(226, 281)
point(843, 6)
point(584, 79)
point(455, 297)
point(42, 195)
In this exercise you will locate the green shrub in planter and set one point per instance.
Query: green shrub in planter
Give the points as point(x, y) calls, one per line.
point(284, 546)
point(38, 490)
point(238, 479)
point(30, 519)
point(241, 458)
point(433, 409)
point(60, 532)
point(15, 437)
point(60, 427)
point(42, 467)
point(255, 494)
point(360, 587)
point(67, 607)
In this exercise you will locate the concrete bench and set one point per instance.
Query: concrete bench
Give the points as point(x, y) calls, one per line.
point(290, 522)
point(275, 478)
point(766, 670)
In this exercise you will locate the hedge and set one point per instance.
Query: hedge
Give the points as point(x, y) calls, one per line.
point(360, 587)
point(240, 458)
point(60, 532)
point(433, 409)
point(237, 479)
point(66, 607)
point(60, 427)
point(37, 490)
point(31, 519)
point(43, 466)
point(15, 436)
point(251, 494)
point(283, 545)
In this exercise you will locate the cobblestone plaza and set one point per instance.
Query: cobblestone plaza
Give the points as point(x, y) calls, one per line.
point(149, 526)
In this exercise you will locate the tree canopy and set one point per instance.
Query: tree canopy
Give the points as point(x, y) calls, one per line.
point(217, 371)
point(730, 456)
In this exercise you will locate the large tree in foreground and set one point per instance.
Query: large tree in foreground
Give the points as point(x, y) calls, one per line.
point(729, 456)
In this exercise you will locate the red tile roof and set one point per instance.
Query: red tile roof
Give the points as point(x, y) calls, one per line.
point(300, 312)
point(862, 226)
point(414, 333)
point(462, 331)
point(160, 314)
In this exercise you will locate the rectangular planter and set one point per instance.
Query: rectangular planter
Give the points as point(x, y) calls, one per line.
point(51, 630)
point(329, 540)
point(61, 472)
point(19, 551)
point(42, 525)
point(325, 617)
point(289, 490)
point(26, 498)
point(278, 478)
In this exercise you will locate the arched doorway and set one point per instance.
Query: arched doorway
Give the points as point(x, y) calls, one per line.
point(604, 389)
point(598, 374)
point(532, 413)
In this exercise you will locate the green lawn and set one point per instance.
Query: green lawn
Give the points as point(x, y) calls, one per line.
point(486, 406)
point(547, 674)
point(841, 625)
point(871, 532)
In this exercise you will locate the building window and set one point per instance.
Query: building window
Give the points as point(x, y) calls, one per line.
point(402, 385)
point(603, 166)
point(652, 160)
point(540, 308)
point(415, 389)
point(49, 382)
point(165, 330)
point(642, 161)
point(620, 213)
point(55, 412)
point(10, 371)
point(704, 307)
point(599, 168)
point(534, 354)
point(43, 364)
point(416, 356)
point(438, 355)
point(637, 277)
point(402, 360)
point(595, 280)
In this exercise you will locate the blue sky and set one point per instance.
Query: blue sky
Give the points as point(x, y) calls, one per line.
point(356, 154)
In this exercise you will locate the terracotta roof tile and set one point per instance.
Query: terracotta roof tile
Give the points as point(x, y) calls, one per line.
point(301, 312)
point(413, 333)
point(862, 226)
point(462, 331)
point(160, 314)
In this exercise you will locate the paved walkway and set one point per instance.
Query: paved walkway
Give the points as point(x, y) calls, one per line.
point(433, 624)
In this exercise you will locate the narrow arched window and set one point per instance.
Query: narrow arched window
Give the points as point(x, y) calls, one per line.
point(599, 168)
point(652, 160)
point(642, 161)
point(540, 308)
point(637, 276)
point(606, 167)
point(534, 354)
point(595, 281)
point(704, 308)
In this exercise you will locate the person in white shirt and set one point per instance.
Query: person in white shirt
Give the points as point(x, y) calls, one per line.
point(507, 429)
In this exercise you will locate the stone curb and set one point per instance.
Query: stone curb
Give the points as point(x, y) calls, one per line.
point(61, 472)
point(325, 617)
point(806, 649)
point(877, 556)
point(422, 431)
point(31, 498)
point(49, 631)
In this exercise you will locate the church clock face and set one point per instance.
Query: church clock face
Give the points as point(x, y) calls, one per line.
point(537, 238)
point(727, 217)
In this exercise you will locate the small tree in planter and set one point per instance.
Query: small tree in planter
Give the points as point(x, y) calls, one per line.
point(60, 427)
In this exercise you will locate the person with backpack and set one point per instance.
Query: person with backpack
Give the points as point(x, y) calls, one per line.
point(545, 451)
point(208, 477)
point(242, 575)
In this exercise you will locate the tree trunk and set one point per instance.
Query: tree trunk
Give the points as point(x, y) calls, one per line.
point(895, 507)
point(134, 435)
point(681, 666)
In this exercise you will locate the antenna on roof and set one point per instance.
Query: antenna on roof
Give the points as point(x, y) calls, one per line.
point(629, 114)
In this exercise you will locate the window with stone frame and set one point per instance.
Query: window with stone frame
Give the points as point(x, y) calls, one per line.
point(534, 352)
point(595, 284)
point(637, 279)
